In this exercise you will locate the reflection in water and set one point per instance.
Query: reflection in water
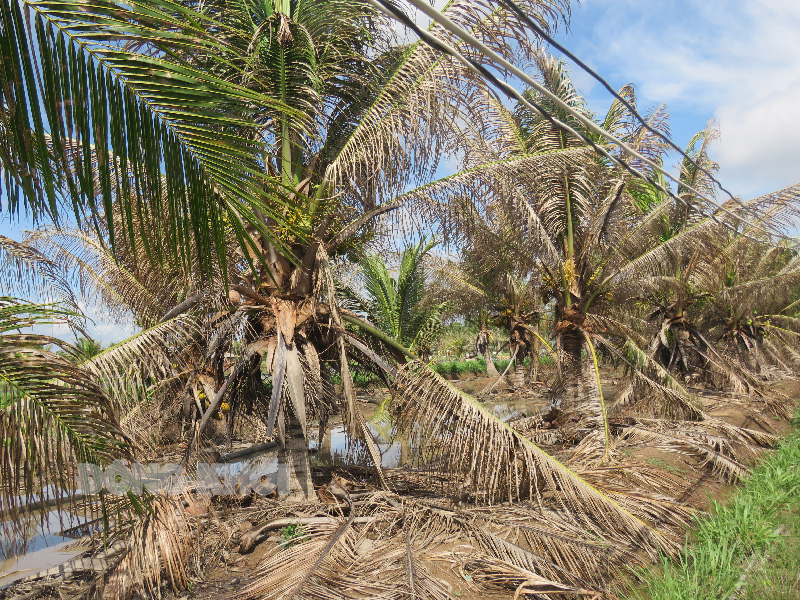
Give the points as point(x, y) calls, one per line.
point(35, 545)
point(337, 450)
point(32, 535)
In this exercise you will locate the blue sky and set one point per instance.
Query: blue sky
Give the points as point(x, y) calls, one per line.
point(734, 61)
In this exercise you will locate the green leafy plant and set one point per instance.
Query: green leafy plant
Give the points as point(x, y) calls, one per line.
point(292, 534)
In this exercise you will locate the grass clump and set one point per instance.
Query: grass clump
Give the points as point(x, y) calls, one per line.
point(477, 366)
point(756, 534)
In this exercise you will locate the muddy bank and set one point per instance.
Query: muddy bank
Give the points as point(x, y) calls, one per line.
point(421, 535)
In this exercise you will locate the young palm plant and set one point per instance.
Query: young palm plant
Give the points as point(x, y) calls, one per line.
point(398, 306)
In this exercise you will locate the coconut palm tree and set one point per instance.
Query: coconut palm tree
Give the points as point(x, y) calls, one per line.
point(687, 305)
point(497, 272)
point(353, 120)
point(598, 238)
point(725, 316)
point(367, 135)
point(512, 302)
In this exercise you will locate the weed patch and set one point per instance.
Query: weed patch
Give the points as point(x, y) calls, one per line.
point(749, 548)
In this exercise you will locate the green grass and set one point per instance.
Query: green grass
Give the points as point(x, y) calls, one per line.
point(743, 535)
point(360, 378)
point(459, 367)
point(446, 368)
point(477, 366)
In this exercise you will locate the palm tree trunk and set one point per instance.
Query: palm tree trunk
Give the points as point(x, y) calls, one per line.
point(491, 370)
point(537, 348)
point(571, 345)
point(519, 373)
point(405, 452)
point(294, 470)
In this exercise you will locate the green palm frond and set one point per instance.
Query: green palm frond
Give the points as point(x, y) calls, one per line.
point(397, 306)
point(91, 113)
point(52, 413)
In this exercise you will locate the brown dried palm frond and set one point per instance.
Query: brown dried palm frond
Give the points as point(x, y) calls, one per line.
point(390, 554)
point(545, 542)
point(158, 354)
point(159, 545)
point(371, 560)
point(395, 139)
point(778, 208)
point(493, 135)
point(27, 272)
point(646, 480)
point(125, 279)
point(459, 202)
point(767, 295)
point(725, 448)
point(666, 394)
point(53, 414)
point(641, 256)
point(499, 574)
point(457, 435)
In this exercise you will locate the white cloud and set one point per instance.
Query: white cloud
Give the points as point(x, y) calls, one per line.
point(99, 326)
point(734, 60)
point(761, 142)
point(103, 328)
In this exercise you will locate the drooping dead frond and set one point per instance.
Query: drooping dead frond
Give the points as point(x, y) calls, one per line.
point(154, 355)
point(649, 373)
point(53, 414)
point(25, 271)
point(499, 574)
point(159, 546)
point(721, 446)
point(457, 435)
point(127, 281)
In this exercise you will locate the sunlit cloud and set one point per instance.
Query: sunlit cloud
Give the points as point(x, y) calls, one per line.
point(733, 60)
